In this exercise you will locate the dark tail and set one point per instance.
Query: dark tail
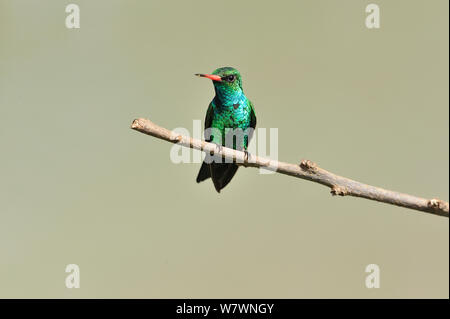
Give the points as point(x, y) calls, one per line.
point(204, 173)
point(221, 173)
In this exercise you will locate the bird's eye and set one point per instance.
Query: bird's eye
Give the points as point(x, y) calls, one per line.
point(230, 78)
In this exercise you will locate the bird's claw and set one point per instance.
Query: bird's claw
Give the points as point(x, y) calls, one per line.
point(245, 155)
point(215, 154)
point(219, 148)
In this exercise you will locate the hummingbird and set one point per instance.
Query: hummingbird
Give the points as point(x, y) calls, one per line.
point(229, 109)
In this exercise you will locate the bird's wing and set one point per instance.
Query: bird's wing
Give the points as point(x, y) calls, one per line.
point(252, 115)
point(209, 116)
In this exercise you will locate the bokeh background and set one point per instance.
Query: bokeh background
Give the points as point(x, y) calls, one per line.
point(77, 185)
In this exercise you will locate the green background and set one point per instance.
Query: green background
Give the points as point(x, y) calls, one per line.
point(77, 185)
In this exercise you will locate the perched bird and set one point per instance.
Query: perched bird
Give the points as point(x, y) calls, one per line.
point(230, 109)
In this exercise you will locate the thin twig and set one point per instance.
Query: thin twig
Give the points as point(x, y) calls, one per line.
point(305, 170)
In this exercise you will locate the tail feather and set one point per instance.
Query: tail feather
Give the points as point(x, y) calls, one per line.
point(204, 173)
point(220, 173)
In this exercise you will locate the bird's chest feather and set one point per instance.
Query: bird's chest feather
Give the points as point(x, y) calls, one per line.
point(232, 114)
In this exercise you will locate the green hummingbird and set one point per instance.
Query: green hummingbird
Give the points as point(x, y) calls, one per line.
point(229, 110)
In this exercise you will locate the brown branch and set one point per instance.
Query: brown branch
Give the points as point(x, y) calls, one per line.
point(305, 170)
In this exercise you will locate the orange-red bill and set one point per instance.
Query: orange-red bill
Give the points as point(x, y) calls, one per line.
point(210, 76)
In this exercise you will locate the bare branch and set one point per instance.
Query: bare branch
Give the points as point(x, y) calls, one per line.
point(305, 170)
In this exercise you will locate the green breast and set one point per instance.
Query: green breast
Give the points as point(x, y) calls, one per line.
point(232, 116)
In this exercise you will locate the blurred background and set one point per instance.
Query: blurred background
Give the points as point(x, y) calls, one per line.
point(77, 185)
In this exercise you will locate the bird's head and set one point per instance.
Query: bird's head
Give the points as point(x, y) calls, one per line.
point(227, 81)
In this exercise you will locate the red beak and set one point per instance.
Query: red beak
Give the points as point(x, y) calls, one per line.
point(211, 77)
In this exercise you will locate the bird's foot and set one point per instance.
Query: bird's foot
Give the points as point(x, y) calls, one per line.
point(219, 148)
point(245, 155)
point(215, 154)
